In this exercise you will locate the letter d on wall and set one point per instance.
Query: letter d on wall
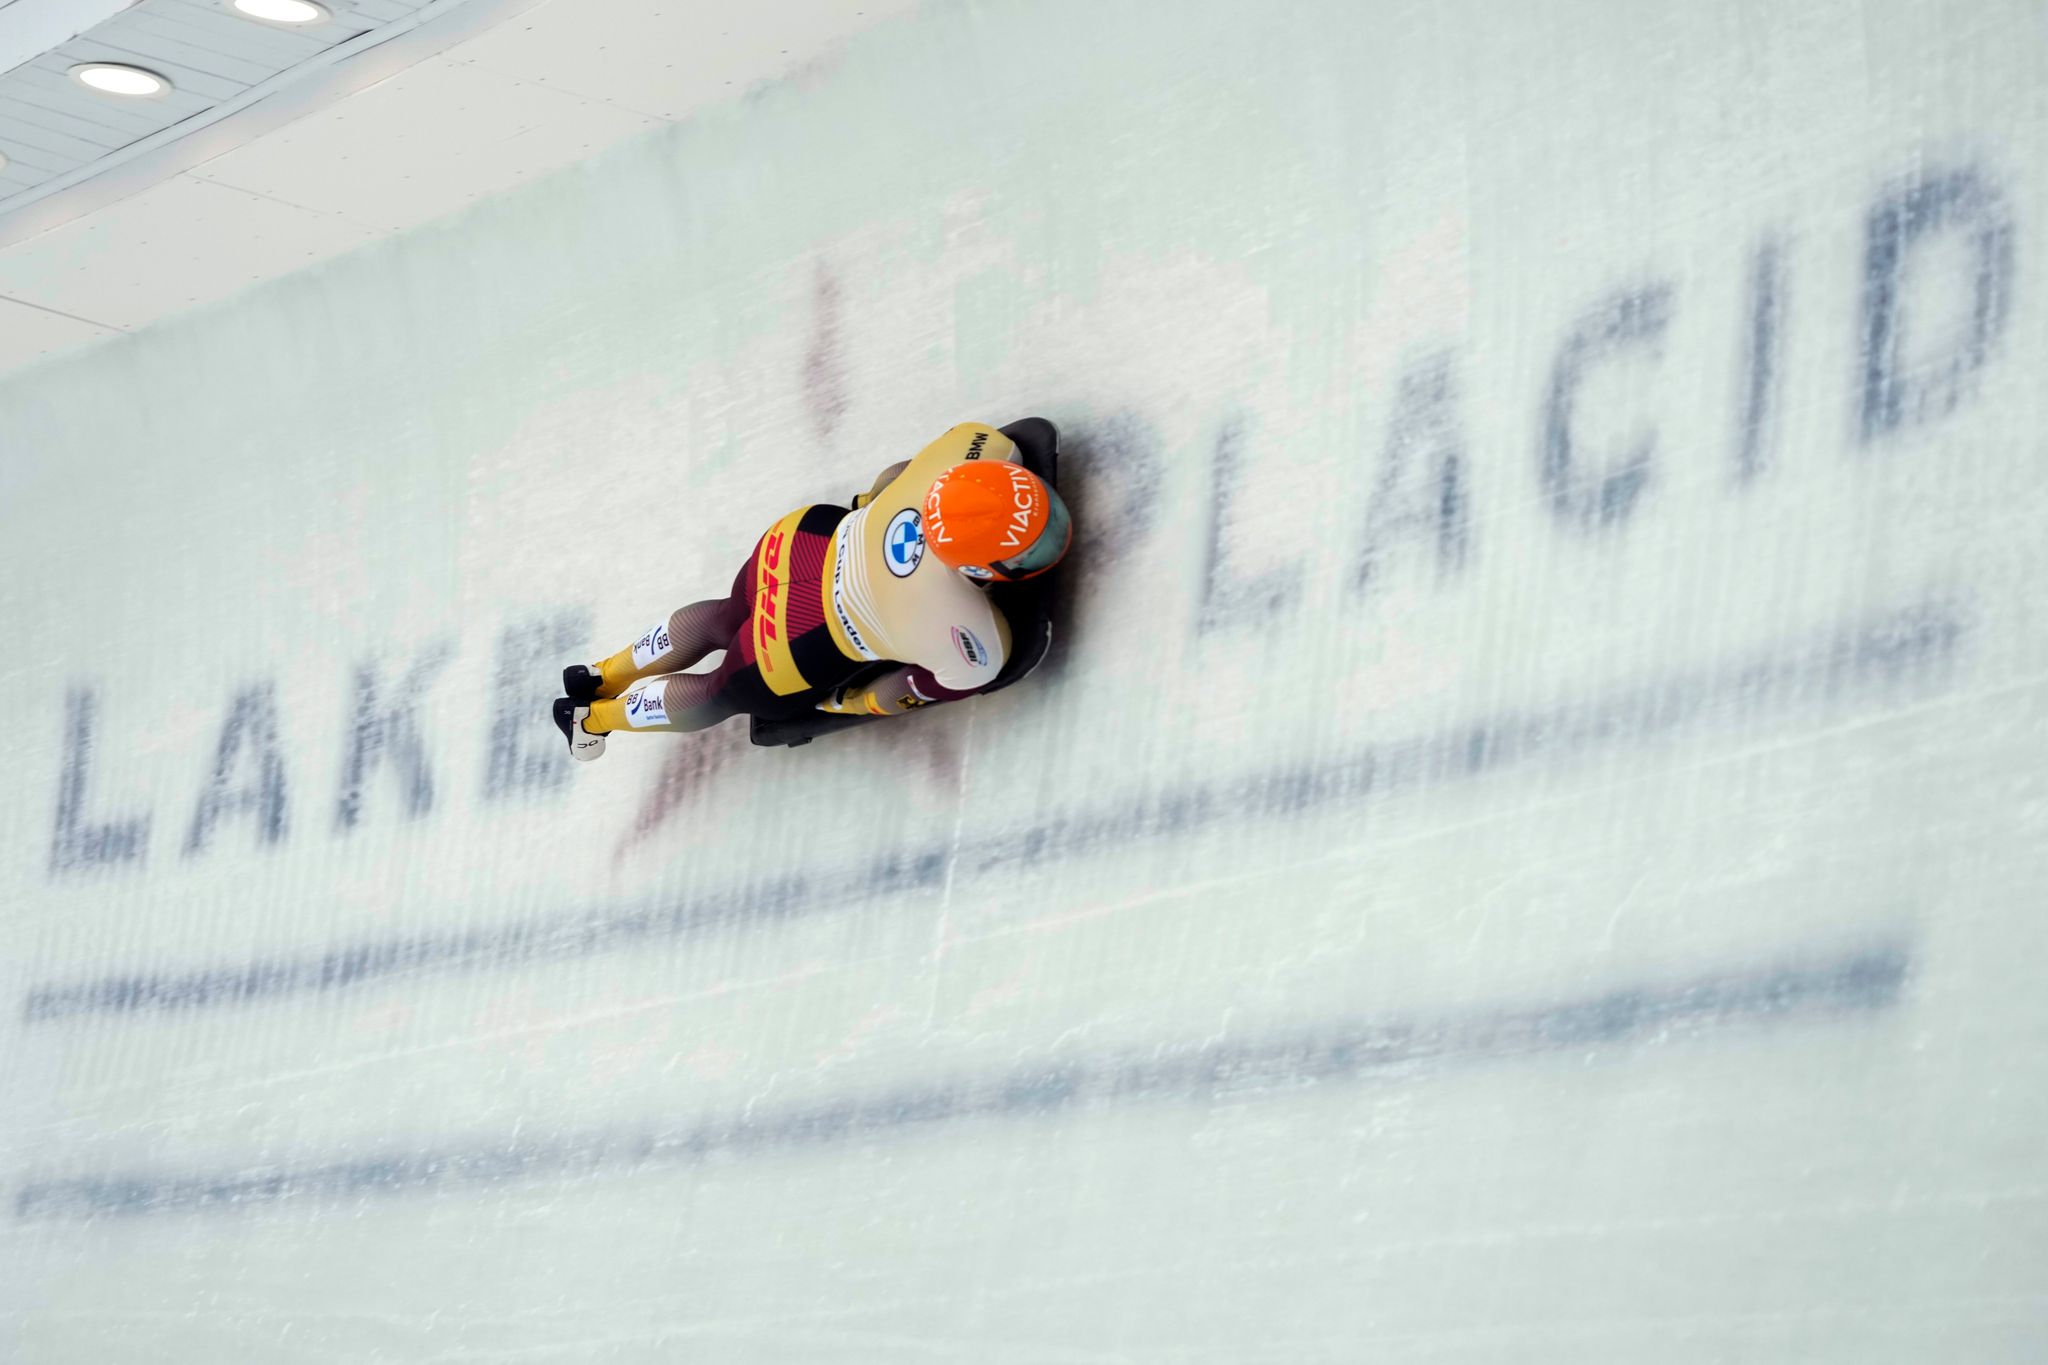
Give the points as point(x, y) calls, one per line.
point(1909, 376)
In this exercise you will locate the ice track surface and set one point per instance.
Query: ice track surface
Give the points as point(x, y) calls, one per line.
point(1530, 845)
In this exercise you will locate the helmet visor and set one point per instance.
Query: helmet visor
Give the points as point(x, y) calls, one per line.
point(1044, 552)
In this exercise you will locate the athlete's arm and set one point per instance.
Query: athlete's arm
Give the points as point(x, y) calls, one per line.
point(888, 476)
point(897, 691)
point(913, 685)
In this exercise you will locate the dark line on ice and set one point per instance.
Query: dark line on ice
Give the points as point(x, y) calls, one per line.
point(1760, 364)
point(1342, 1051)
point(1907, 644)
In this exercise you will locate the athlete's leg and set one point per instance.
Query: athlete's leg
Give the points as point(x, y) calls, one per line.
point(674, 701)
point(684, 639)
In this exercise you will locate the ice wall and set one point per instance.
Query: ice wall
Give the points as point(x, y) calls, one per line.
point(1530, 845)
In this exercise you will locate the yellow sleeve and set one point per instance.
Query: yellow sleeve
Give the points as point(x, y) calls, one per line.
point(882, 481)
point(910, 687)
point(968, 441)
point(889, 695)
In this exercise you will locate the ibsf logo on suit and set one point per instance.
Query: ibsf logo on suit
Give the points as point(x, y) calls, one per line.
point(903, 543)
point(971, 648)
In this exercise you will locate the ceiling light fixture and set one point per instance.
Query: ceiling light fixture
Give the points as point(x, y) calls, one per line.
point(115, 78)
point(283, 11)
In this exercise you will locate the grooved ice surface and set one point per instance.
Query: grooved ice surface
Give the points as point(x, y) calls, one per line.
point(1530, 844)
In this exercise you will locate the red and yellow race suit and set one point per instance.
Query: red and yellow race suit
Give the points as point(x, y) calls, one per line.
point(881, 596)
point(827, 596)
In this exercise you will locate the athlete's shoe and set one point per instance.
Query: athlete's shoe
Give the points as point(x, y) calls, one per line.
point(583, 746)
point(582, 682)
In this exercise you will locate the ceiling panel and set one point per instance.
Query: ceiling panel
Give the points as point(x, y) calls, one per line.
point(26, 166)
point(44, 84)
point(15, 108)
point(193, 88)
point(669, 59)
point(155, 47)
point(180, 243)
point(429, 109)
point(381, 11)
point(36, 82)
point(212, 56)
point(57, 144)
point(29, 28)
point(28, 334)
point(430, 140)
point(211, 26)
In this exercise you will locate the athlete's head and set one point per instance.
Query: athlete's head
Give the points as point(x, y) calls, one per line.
point(991, 519)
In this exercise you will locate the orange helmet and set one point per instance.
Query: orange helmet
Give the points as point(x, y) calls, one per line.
point(993, 519)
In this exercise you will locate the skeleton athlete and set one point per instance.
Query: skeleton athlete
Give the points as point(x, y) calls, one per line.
point(830, 594)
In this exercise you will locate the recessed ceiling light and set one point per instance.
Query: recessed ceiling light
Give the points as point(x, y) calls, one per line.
point(284, 11)
point(114, 78)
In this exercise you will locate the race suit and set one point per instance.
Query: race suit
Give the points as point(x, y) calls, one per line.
point(829, 596)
